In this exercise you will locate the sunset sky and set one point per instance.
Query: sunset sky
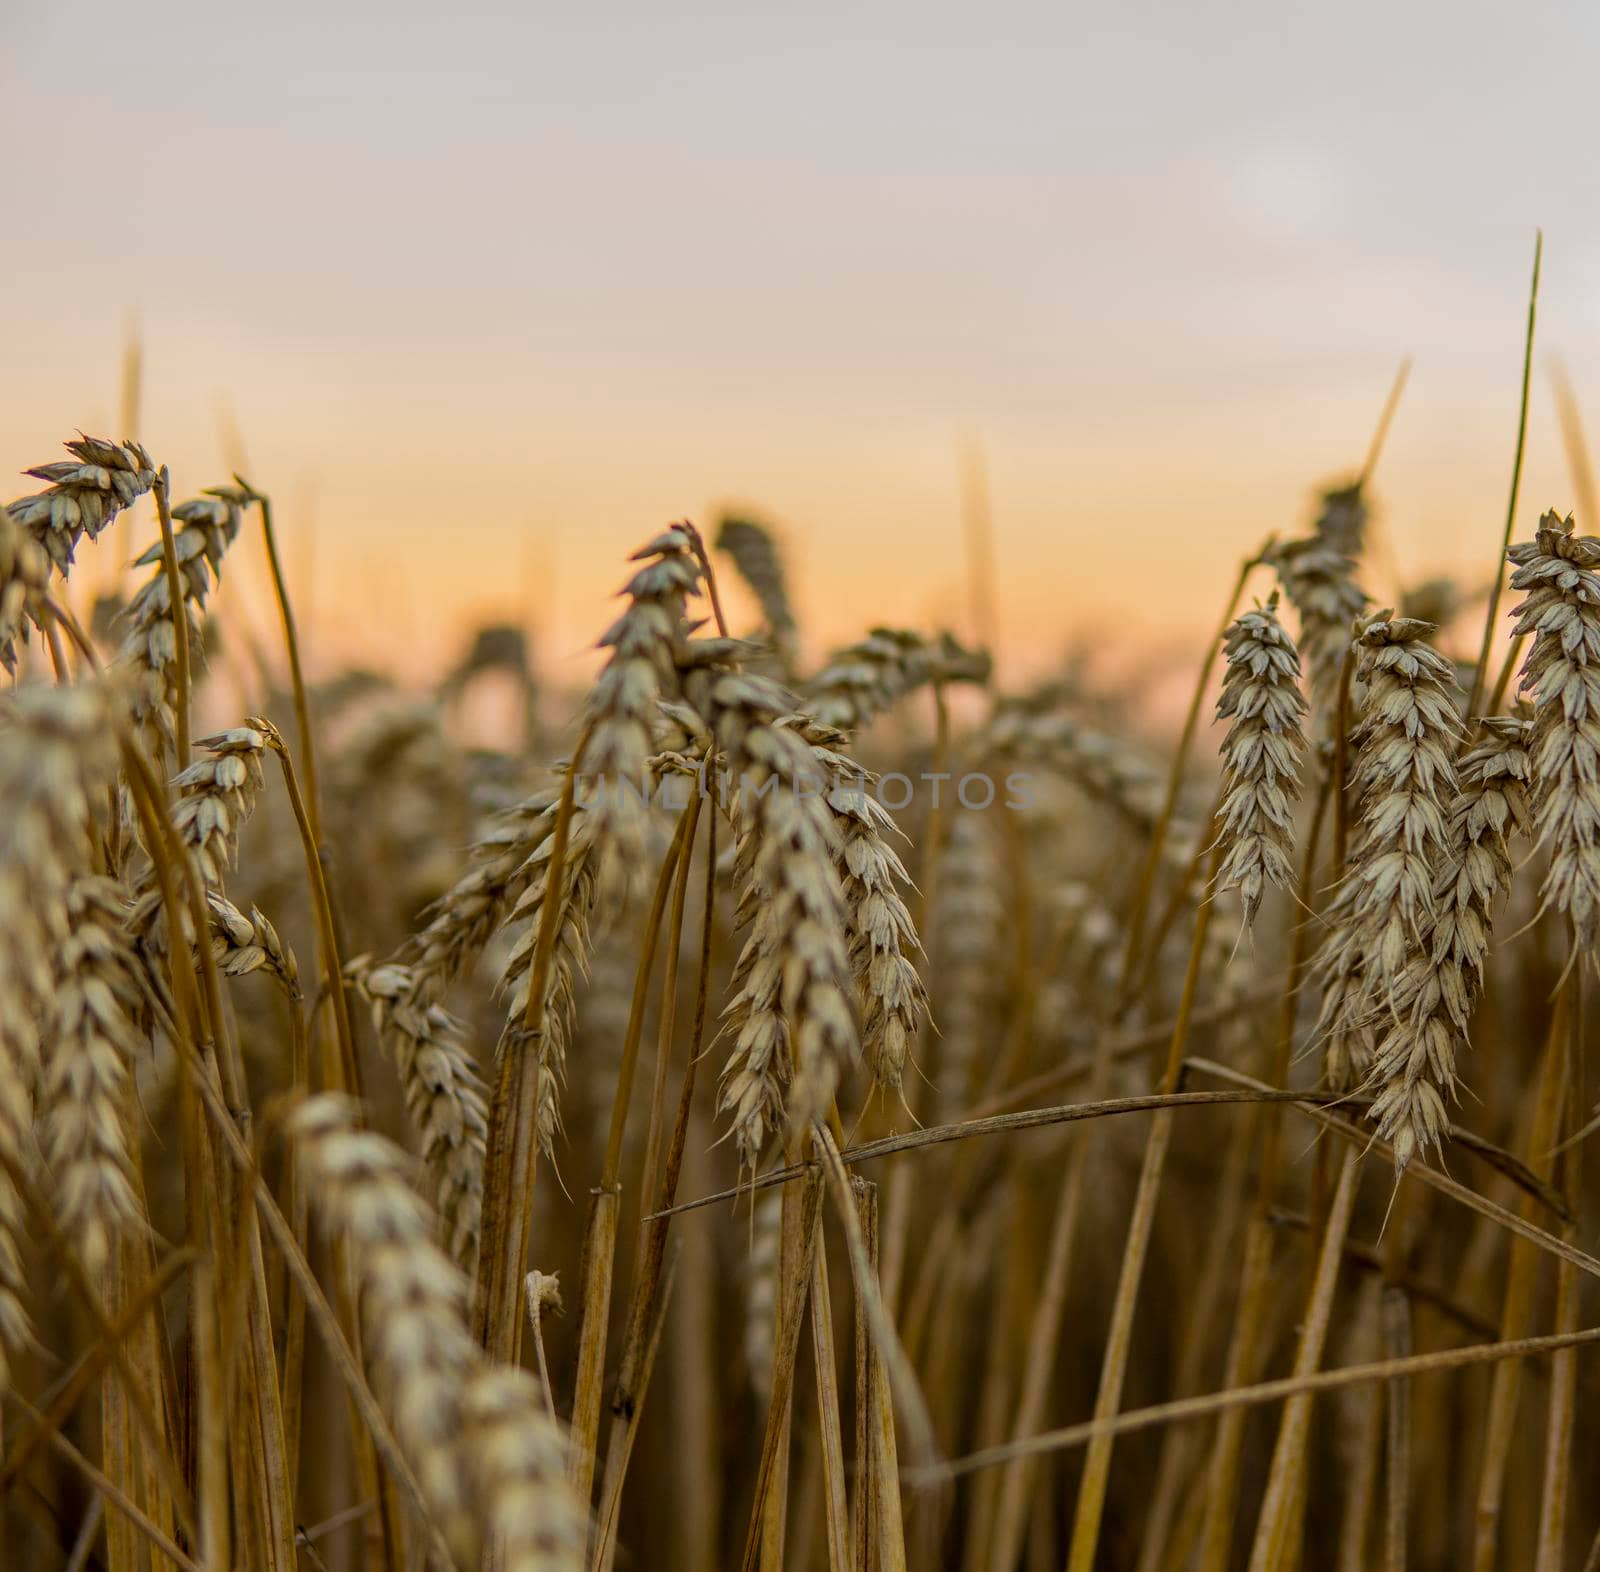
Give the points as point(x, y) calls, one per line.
point(490, 292)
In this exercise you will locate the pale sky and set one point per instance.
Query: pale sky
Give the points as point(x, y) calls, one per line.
point(492, 292)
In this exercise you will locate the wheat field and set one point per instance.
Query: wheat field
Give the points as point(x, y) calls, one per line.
point(792, 1114)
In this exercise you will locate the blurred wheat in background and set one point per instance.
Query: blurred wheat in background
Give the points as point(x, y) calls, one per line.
point(795, 1113)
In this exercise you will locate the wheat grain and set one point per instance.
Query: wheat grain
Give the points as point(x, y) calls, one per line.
point(242, 946)
point(463, 920)
point(1106, 768)
point(1342, 519)
point(966, 945)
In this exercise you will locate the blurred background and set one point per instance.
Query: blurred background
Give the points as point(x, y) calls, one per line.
point(483, 295)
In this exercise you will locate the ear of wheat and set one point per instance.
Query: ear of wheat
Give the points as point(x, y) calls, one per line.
point(791, 1006)
point(485, 1456)
point(57, 753)
point(91, 1044)
point(578, 896)
point(1413, 1074)
point(1318, 575)
point(205, 528)
point(1260, 757)
point(1560, 571)
point(883, 939)
point(756, 556)
point(84, 494)
point(444, 1095)
point(1404, 776)
point(24, 575)
point(645, 644)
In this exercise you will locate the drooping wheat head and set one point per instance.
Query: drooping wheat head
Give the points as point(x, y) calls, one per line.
point(84, 494)
point(756, 556)
point(863, 680)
